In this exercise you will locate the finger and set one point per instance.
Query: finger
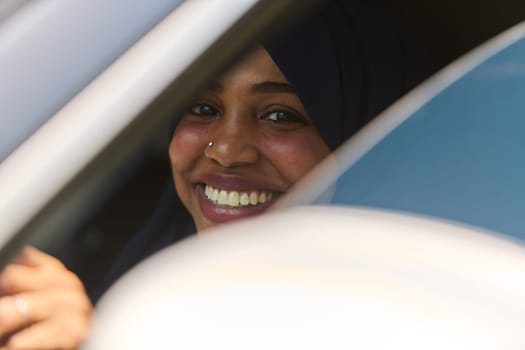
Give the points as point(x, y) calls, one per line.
point(18, 278)
point(31, 256)
point(20, 311)
point(60, 333)
point(13, 316)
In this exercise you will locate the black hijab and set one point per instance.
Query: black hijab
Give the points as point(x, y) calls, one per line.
point(347, 63)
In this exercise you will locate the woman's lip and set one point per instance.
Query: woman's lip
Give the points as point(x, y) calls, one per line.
point(236, 183)
point(221, 214)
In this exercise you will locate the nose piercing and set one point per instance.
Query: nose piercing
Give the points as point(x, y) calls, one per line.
point(210, 144)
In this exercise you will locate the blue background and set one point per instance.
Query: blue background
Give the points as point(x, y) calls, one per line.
point(460, 157)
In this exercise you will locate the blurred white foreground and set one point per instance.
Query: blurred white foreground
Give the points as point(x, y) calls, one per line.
point(322, 278)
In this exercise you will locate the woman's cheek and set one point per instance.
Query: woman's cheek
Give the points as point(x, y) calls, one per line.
point(295, 155)
point(187, 142)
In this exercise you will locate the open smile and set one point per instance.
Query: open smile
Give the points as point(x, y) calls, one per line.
point(222, 205)
point(237, 199)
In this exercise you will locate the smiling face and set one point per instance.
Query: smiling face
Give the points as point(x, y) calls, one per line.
point(242, 144)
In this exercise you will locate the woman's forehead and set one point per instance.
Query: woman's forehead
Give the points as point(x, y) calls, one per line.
point(255, 67)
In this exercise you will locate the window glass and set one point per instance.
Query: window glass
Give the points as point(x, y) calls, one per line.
point(459, 157)
point(43, 66)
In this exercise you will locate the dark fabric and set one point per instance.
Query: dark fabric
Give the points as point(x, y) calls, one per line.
point(167, 224)
point(348, 63)
point(306, 56)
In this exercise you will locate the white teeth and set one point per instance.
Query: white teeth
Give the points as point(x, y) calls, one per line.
point(254, 198)
point(245, 199)
point(233, 199)
point(236, 198)
point(223, 197)
point(214, 195)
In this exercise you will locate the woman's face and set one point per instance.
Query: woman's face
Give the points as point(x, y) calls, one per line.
point(242, 144)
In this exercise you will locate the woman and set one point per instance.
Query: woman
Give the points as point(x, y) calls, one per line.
point(242, 144)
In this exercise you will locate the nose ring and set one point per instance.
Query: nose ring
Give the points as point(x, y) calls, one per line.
point(210, 144)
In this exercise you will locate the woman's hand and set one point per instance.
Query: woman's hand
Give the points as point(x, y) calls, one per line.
point(42, 304)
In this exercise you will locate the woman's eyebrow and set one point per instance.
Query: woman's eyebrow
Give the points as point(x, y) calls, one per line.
point(273, 87)
point(215, 87)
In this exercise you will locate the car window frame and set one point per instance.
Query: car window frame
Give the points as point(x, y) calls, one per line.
point(79, 175)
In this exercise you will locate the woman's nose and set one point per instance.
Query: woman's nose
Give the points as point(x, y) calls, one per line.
point(232, 145)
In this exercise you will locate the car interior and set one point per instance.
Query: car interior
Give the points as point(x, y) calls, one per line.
point(139, 201)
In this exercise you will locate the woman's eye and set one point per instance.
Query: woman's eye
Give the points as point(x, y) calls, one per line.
point(283, 117)
point(203, 109)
